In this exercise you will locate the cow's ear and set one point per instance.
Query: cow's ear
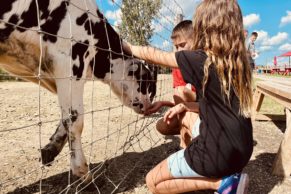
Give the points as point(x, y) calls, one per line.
point(133, 67)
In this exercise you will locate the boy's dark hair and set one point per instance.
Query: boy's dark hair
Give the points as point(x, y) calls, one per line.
point(184, 28)
point(255, 34)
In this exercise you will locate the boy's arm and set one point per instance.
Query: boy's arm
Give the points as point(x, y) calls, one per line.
point(152, 55)
point(180, 108)
point(156, 106)
point(191, 106)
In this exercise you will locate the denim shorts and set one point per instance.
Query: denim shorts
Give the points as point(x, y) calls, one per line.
point(177, 164)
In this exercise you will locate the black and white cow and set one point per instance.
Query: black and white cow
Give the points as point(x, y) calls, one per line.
point(73, 46)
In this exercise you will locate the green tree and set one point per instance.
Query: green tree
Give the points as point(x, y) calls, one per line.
point(137, 16)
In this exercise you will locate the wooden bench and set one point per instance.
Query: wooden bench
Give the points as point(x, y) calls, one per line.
point(281, 93)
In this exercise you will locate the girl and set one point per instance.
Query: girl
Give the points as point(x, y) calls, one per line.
point(222, 141)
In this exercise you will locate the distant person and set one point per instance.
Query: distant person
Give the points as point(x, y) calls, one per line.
point(246, 34)
point(252, 49)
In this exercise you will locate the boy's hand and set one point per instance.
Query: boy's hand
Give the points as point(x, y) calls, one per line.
point(174, 111)
point(156, 106)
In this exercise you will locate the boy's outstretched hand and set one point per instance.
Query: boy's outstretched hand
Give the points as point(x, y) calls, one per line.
point(156, 106)
point(174, 111)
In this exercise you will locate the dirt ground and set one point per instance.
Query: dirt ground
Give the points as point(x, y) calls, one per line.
point(120, 146)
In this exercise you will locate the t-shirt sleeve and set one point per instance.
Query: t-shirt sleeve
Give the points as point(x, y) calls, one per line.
point(191, 64)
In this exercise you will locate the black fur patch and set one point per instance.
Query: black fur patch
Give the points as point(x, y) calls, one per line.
point(143, 80)
point(6, 7)
point(29, 17)
point(79, 50)
point(59, 139)
point(72, 119)
point(5, 33)
point(53, 18)
point(98, 30)
point(53, 24)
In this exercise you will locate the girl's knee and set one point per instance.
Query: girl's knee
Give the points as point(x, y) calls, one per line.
point(165, 129)
point(151, 183)
point(161, 126)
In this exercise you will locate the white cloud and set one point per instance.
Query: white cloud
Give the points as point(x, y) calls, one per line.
point(285, 47)
point(265, 48)
point(277, 39)
point(262, 36)
point(265, 40)
point(113, 15)
point(166, 44)
point(251, 19)
point(286, 19)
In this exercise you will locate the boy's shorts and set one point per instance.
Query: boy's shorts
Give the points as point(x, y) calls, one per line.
point(177, 164)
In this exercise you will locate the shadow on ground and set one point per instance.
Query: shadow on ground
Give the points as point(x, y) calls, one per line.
point(136, 166)
point(281, 125)
point(259, 170)
point(120, 174)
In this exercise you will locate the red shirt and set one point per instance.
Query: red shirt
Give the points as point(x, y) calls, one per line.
point(178, 79)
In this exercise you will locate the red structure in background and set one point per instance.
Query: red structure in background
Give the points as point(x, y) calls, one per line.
point(284, 71)
point(275, 61)
point(287, 69)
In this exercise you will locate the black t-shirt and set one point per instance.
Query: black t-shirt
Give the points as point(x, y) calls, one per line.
point(225, 143)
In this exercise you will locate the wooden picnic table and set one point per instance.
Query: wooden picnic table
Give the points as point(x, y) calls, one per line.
point(281, 93)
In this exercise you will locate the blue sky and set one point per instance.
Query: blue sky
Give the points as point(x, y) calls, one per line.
point(270, 18)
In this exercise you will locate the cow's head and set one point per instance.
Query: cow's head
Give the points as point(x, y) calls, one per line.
point(134, 82)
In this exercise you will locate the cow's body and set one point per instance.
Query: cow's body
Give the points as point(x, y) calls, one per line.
point(73, 47)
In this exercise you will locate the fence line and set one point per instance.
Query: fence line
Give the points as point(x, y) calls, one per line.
point(133, 134)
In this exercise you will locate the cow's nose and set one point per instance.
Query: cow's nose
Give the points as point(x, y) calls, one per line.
point(138, 104)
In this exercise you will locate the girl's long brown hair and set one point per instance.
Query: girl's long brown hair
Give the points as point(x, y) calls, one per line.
point(218, 30)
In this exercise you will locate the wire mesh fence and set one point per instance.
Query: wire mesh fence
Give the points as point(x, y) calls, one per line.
point(120, 146)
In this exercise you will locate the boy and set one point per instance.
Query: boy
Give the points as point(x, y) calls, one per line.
point(182, 40)
point(252, 49)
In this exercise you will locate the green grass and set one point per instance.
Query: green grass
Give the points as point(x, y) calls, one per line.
point(269, 106)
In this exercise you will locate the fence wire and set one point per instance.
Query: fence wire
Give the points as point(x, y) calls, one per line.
point(120, 146)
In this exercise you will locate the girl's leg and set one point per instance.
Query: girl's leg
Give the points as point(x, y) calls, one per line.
point(160, 180)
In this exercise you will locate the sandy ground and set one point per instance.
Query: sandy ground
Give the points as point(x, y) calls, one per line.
point(120, 145)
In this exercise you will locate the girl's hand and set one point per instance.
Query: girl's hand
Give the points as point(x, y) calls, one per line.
point(174, 111)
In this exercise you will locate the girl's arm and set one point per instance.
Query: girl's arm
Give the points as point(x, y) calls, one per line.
point(152, 55)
